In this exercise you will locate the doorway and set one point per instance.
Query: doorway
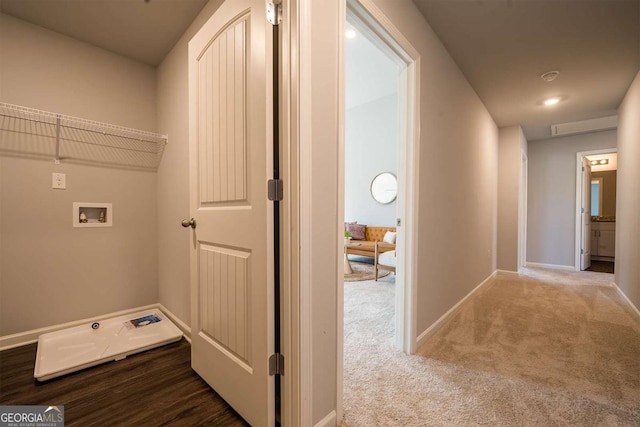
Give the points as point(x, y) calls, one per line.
point(366, 21)
point(371, 164)
point(596, 193)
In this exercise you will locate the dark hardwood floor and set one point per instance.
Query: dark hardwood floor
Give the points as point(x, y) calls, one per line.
point(154, 388)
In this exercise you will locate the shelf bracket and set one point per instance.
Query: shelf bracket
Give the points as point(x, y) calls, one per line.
point(57, 159)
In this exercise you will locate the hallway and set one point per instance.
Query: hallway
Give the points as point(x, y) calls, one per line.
point(541, 348)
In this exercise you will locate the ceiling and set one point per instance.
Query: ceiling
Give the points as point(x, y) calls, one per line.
point(141, 30)
point(503, 46)
point(369, 73)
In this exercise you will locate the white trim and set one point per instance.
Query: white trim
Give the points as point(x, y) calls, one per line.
point(522, 209)
point(186, 329)
point(290, 407)
point(552, 266)
point(626, 298)
point(578, 217)
point(406, 302)
point(330, 420)
point(506, 273)
point(435, 326)
point(304, 193)
point(29, 337)
point(412, 215)
point(340, 194)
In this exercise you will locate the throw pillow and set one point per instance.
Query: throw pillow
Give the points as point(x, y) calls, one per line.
point(389, 237)
point(356, 230)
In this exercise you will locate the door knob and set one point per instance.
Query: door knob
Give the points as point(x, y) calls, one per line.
point(189, 223)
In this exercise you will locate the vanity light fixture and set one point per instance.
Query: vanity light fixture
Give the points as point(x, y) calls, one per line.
point(350, 34)
point(600, 162)
point(551, 101)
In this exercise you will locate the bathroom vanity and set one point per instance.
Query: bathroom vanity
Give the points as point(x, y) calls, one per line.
point(603, 240)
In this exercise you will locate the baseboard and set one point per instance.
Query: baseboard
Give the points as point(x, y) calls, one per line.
point(428, 333)
point(186, 330)
point(603, 258)
point(30, 337)
point(506, 273)
point(329, 421)
point(626, 298)
point(551, 266)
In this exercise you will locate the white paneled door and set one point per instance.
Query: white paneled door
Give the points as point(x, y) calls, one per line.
point(231, 278)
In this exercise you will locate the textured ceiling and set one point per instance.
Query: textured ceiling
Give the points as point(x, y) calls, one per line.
point(503, 46)
point(140, 30)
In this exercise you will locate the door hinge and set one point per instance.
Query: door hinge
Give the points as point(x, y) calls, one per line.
point(583, 169)
point(275, 190)
point(581, 251)
point(276, 364)
point(398, 222)
point(274, 13)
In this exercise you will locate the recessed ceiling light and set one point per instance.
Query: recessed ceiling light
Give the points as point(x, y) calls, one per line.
point(550, 76)
point(551, 101)
point(350, 34)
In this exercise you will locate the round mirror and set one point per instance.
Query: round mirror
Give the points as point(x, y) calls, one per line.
point(384, 188)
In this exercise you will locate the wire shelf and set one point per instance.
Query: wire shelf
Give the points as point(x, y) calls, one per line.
point(41, 134)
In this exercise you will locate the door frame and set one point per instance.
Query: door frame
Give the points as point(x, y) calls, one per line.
point(578, 219)
point(408, 177)
point(522, 211)
point(297, 135)
point(408, 154)
point(296, 348)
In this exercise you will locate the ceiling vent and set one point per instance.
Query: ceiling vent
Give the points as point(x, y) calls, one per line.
point(584, 126)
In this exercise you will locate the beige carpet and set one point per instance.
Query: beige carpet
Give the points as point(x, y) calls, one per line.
point(544, 349)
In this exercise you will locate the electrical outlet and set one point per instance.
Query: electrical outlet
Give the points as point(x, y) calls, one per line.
point(59, 181)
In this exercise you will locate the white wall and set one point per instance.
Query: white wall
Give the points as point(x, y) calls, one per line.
point(51, 272)
point(552, 195)
point(46, 70)
point(371, 147)
point(627, 274)
point(511, 147)
point(457, 218)
point(321, 150)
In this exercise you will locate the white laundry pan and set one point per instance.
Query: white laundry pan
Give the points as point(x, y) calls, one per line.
point(91, 344)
